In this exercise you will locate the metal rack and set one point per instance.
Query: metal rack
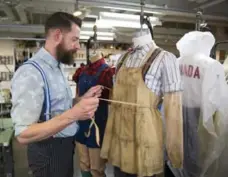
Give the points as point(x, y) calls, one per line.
point(94, 39)
point(145, 20)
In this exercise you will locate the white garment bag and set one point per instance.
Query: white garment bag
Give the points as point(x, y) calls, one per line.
point(205, 108)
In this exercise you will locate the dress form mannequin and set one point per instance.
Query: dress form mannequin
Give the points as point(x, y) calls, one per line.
point(120, 148)
point(143, 38)
point(88, 147)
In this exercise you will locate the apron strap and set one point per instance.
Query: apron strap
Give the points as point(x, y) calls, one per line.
point(47, 99)
point(122, 60)
point(101, 69)
point(147, 65)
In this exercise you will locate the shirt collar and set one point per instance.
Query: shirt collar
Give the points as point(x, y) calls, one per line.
point(48, 58)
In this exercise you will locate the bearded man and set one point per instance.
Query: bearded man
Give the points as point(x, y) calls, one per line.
point(43, 113)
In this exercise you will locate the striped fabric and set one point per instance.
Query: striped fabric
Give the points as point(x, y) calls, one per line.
point(163, 75)
point(52, 157)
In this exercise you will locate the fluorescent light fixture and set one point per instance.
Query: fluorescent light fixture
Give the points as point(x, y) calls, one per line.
point(90, 33)
point(123, 24)
point(122, 17)
point(91, 25)
point(132, 10)
point(108, 20)
point(77, 13)
point(99, 38)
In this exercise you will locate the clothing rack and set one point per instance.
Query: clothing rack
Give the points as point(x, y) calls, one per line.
point(145, 20)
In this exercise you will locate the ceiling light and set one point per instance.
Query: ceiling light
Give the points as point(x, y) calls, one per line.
point(122, 17)
point(91, 25)
point(116, 23)
point(132, 10)
point(77, 13)
point(99, 38)
point(90, 33)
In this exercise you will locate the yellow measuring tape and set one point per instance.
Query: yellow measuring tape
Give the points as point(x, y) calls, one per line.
point(97, 132)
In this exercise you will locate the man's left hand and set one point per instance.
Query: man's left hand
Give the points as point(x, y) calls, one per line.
point(94, 92)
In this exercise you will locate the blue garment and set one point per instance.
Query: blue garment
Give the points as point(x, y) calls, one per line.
point(28, 93)
point(85, 83)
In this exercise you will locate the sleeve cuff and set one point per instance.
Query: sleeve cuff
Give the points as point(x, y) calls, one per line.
point(173, 87)
point(20, 129)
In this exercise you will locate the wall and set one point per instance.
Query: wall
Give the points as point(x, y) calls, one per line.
point(6, 49)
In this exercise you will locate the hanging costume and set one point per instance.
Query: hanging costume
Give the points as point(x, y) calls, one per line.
point(133, 140)
point(225, 65)
point(97, 73)
point(205, 103)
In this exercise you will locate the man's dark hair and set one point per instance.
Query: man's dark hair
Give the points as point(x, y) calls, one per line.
point(61, 20)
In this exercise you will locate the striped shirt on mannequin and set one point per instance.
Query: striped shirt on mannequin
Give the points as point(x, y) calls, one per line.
point(163, 75)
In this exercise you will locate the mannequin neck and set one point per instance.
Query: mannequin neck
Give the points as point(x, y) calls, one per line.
point(142, 40)
point(95, 57)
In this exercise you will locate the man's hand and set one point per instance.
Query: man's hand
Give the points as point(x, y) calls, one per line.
point(84, 109)
point(93, 92)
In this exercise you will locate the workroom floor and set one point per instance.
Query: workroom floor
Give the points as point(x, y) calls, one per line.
point(21, 167)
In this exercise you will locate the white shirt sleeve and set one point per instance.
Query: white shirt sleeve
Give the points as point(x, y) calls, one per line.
point(164, 74)
point(171, 77)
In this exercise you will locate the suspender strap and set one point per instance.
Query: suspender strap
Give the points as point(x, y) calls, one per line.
point(47, 99)
point(101, 69)
point(150, 61)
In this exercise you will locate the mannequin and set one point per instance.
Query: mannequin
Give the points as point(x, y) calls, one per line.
point(88, 147)
point(133, 141)
point(205, 102)
point(143, 39)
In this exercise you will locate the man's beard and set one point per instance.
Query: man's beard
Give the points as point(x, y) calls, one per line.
point(65, 56)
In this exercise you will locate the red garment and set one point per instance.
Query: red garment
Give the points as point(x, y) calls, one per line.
point(106, 77)
point(77, 74)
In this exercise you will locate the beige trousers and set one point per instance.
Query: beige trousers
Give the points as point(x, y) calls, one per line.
point(90, 160)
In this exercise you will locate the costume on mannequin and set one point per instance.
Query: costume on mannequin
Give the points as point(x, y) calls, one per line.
point(133, 140)
point(205, 103)
point(76, 75)
point(97, 73)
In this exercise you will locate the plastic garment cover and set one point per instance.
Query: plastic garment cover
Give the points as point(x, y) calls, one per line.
point(225, 64)
point(205, 103)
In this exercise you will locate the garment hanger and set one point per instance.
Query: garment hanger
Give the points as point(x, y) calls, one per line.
point(144, 37)
point(94, 39)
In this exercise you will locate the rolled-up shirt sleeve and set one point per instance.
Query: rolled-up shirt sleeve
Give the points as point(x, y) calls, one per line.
point(27, 97)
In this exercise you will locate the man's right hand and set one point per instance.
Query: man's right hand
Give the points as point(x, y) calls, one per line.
point(84, 109)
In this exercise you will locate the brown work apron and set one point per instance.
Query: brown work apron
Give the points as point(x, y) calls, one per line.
point(133, 138)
